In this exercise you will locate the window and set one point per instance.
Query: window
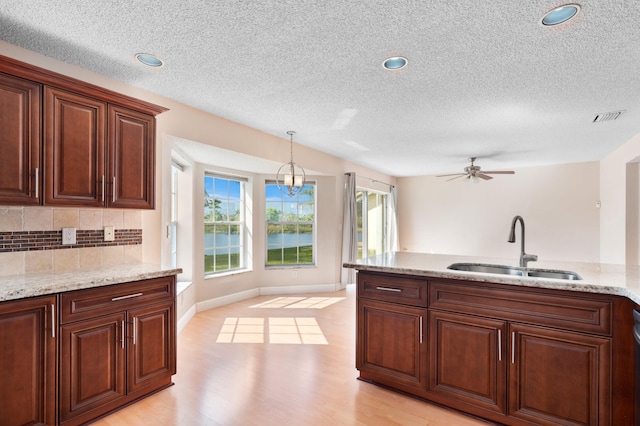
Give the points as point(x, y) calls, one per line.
point(290, 226)
point(175, 171)
point(371, 211)
point(224, 227)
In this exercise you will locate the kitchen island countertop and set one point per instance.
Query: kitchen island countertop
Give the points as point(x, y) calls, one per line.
point(620, 280)
point(36, 284)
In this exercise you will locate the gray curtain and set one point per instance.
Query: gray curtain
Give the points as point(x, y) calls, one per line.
point(349, 230)
point(392, 220)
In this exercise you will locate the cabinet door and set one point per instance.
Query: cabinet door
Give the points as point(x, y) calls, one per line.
point(391, 343)
point(92, 365)
point(152, 353)
point(467, 359)
point(19, 141)
point(559, 377)
point(74, 149)
point(131, 159)
point(27, 357)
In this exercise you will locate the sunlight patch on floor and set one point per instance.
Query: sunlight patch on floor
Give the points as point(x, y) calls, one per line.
point(299, 302)
point(279, 330)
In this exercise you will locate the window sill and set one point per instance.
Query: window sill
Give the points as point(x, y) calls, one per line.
point(182, 286)
point(269, 267)
point(226, 274)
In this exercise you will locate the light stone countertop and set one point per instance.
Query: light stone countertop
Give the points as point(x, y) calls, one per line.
point(621, 280)
point(28, 285)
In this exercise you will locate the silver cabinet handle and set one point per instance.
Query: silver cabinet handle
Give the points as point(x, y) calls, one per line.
point(420, 329)
point(499, 345)
point(128, 296)
point(135, 329)
point(123, 334)
point(113, 190)
point(37, 185)
point(395, 290)
point(102, 188)
point(513, 347)
point(53, 320)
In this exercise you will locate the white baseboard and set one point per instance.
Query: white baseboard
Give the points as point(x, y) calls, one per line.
point(184, 319)
point(297, 289)
point(225, 300)
point(248, 294)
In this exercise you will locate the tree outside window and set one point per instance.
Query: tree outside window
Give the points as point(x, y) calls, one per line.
point(290, 223)
point(223, 224)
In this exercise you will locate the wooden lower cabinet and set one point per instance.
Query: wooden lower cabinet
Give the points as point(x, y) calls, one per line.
point(118, 344)
point(28, 361)
point(391, 344)
point(151, 356)
point(484, 358)
point(92, 365)
point(559, 377)
point(467, 360)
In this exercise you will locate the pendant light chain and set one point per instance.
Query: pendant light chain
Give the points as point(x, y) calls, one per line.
point(291, 182)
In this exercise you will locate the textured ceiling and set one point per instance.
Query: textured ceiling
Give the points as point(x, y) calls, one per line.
point(484, 79)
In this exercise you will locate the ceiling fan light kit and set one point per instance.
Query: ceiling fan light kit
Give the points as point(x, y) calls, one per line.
point(473, 173)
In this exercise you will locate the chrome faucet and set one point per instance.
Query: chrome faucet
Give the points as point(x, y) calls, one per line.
point(524, 257)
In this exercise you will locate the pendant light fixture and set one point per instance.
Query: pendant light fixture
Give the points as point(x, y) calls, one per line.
point(290, 177)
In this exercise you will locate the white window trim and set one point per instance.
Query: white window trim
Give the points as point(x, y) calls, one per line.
point(314, 240)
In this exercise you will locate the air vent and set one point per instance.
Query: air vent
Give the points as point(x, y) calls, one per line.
point(607, 116)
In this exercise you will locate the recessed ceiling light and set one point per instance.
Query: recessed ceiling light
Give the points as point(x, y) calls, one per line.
point(149, 60)
point(560, 14)
point(395, 63)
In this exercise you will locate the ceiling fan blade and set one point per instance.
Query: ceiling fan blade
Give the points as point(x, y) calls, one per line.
point(483, 176)
point(457, 177)
point(452, 174)
point(503, 172)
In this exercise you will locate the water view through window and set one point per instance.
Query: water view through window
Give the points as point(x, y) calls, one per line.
point(223, 224)
point(290, 225)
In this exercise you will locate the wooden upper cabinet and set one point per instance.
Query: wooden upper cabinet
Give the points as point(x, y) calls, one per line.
point(67, 142)
point(20, 138)
point(74, 149)
point(131, 158)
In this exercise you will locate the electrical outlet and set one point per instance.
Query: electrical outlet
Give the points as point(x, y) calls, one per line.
point(109, 233)
point(68, 236)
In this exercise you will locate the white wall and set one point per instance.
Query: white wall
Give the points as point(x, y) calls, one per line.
point(613, 185)
point(188, 123)
point(558, 204)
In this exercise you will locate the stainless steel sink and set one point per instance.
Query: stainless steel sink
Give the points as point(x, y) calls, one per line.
point(514, 270)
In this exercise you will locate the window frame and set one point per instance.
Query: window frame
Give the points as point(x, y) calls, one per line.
point(363, 242)
point(313, 224)
point(241, 225)
point(176, 169)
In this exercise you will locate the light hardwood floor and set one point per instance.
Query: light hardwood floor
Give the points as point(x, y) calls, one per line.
point(220, 382)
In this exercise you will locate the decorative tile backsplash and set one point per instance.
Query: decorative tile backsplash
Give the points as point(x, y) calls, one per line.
point(52, 240)
point(31, 239)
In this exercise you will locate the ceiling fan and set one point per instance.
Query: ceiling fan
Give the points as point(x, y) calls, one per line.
point(473, 172)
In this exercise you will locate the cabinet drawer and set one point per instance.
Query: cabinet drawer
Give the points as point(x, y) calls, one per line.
point(90, 303)
point(389, 288)
point(553, 308)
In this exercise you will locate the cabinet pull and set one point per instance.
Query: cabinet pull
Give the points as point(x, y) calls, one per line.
point(128, 296)
point(102, 188)
point(513, 347)
point(53, 320)
point(396, 290)
point(113, 190)
point(123, 337)
point(135, 329)
point(499, 345)
point(420, 329)
point(37, 185)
